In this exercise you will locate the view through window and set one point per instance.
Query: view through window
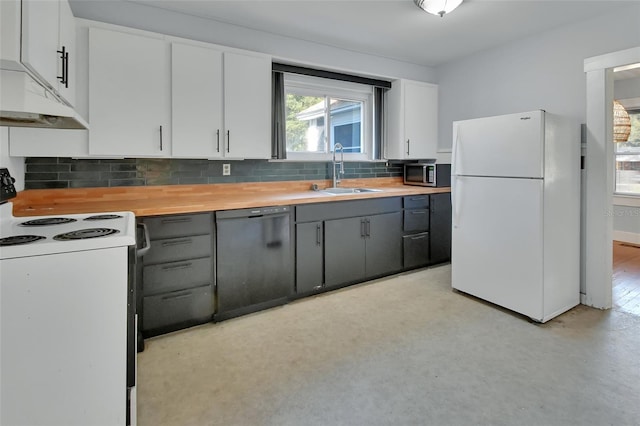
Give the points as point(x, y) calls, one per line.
point(321, 113)
point(628, 159)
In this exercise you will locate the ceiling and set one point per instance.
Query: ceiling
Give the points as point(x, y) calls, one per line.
point(394, 29)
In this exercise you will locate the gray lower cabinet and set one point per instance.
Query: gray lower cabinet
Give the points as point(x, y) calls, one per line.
point(343, 242)
point(440, 227)
point(362, 247)
point(416, 242)
point(309, 256)
point(177, 273)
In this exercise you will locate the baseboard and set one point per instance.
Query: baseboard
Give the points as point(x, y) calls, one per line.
point(627, 237)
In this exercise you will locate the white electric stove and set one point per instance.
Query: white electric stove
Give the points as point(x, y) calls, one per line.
point(67, 317)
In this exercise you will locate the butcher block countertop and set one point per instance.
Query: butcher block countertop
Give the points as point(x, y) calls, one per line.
point(175, 199)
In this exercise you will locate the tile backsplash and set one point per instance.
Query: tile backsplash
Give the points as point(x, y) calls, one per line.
point(83, 173)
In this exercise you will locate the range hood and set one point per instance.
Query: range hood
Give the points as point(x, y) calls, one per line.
point(26, 103)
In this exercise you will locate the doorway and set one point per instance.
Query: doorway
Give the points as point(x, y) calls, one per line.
point(597, 262)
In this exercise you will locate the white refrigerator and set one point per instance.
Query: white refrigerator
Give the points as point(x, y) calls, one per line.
point(516, 212)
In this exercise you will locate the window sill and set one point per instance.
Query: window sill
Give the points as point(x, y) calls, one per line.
point(626, 200)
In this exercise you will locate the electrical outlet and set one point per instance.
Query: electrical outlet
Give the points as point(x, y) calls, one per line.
point(226, 169)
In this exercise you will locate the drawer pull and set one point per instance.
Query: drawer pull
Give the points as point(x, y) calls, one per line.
point(177, 220)
point(419, 237)
point(417, 198)
point(178, 266)
point(177, 296)
point(418, 212)
point(177, 242)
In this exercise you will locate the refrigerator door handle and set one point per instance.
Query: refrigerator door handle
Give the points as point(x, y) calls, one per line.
point(456, 189)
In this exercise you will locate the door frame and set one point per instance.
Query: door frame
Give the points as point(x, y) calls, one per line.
point(597, 269)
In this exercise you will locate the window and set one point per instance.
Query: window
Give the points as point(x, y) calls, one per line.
point(628, 159)
point(321, 112)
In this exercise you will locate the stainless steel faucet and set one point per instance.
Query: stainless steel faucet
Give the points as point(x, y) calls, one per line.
point(336, 178)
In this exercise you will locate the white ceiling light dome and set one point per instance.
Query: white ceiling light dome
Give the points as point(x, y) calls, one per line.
point(437, 7)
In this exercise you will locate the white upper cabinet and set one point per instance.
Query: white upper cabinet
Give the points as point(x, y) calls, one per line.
point(247, 106)
point(129, 93)
point(196, 102)
point(68, 83)
point(412, 120)
point(48, 44)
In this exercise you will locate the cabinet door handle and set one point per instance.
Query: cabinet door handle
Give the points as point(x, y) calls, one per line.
point(161, 138)
point(177, 266)
point(362, 228)
point(368, 227)
point(177, 242)
point(64, 55)
point(177, 220)
point(218, 140)
point(408, 146)
point(177, 296)
point(228, 140)
point(318, 236)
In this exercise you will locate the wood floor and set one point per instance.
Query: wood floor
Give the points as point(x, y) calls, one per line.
point(626, 277)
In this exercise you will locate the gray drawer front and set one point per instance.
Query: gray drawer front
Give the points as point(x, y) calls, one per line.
point(416, 220)
point(416, 202)
point(179, 225)
point(179, 306)
point(350, 208)
point(177, 275)
point(174, 249)
point(416, 250)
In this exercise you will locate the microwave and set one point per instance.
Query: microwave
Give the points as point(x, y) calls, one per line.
point(427, 174)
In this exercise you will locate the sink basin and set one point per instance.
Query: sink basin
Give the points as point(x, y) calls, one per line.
point(340, 191)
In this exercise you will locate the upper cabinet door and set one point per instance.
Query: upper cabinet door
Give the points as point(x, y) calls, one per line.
point(128, 95)
point(196, 102)
point(247, 106)
point(67, 87)
point(40, 39)
point(412, 120)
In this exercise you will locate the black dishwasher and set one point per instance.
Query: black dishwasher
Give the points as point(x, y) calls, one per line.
point(254, 260)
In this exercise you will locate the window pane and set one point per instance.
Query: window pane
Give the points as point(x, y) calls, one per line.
point(346, 119)
point(628, 159)
point(305, 123)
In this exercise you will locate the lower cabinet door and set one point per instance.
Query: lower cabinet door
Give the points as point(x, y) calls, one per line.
point(163, 310)
point(344, 254)
point(384, 244)
point(309, 257)
point(416, 250)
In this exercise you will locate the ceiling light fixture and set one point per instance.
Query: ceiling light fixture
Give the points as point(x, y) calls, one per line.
point(437, 7)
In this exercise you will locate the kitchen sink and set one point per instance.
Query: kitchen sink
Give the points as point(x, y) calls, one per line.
point(341, 191)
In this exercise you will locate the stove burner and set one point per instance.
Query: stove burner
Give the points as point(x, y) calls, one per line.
point(16, 240)
point(48, 221)
point(103, 217)
point(82, 234)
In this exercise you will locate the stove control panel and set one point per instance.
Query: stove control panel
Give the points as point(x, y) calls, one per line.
point(7, 189)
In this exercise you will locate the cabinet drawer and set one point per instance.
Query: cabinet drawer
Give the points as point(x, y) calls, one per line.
point(179, 225)
point(416, 220)
point(416, 202)
point(174, 249)
point(176, 307)
point(416, 249)
point(177, 275)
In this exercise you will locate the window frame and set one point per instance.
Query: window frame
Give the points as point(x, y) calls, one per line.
point(632, 109)
point(324, 87)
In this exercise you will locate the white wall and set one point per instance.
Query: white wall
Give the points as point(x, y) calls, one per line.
point(545, 71)
point(302, 52)
point(14, 164)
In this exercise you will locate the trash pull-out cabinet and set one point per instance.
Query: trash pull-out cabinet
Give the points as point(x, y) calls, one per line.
point(178, 273)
